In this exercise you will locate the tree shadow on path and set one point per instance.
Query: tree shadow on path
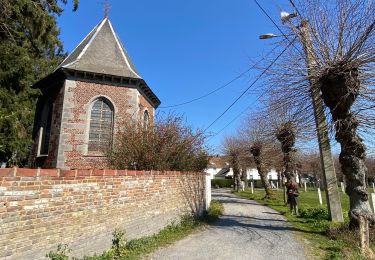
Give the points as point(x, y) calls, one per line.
point(234, 221)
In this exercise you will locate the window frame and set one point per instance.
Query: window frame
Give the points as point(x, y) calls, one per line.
point(46, 124)
point(146, 125)
point(112, 108)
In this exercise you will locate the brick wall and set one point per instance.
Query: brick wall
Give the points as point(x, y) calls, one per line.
point(72, 101)
point(40, 208)
point(79, 96)
point(143, 106)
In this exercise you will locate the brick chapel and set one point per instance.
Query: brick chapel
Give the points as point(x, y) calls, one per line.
point(85, 100)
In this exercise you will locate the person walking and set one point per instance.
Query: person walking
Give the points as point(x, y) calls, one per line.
point(292, 194)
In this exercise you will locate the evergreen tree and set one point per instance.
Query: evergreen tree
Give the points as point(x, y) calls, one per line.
point(29, 50)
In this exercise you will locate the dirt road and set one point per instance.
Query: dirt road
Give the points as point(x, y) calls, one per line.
point(247, 230)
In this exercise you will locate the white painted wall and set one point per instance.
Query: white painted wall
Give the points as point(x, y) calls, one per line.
point(252, 173)
point(207, 191)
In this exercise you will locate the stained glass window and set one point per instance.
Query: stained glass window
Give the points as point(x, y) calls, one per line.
point(101, 126)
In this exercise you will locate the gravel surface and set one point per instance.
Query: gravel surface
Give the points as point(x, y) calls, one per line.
point(247, 230)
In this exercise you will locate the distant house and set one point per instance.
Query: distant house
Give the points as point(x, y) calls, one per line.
point(85, 100)
point(219, 168)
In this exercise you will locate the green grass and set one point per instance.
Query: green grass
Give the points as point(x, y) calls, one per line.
point(136, 248)
point(312, 227)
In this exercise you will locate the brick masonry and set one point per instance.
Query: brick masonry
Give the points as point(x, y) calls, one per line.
point(71, 119)
point(41, 208)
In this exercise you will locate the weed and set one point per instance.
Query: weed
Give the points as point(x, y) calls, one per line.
point(60, 254)
point(315, 213)
point(215, 210)
point(118, 243)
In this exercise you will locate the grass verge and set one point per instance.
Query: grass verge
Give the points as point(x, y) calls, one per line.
point(322, 239)
point(136, 248)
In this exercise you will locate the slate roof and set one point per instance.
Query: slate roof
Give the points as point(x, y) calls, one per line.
point(101, 51)
point(223, 172)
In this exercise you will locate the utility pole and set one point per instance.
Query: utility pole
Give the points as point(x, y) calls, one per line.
point(329, 175)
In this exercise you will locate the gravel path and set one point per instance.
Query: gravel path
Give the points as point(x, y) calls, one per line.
point(247, 230)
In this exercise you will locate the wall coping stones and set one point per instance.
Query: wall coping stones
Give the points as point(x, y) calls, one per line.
point(59, 173)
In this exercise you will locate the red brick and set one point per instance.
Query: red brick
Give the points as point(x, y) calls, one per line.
point(110, 172)
point(26, 172)
point(49, 172)
point(68, 173)
point(119, 172)
point(6, 172)
point(131, 173)
point(83, 172)
point(97, 173)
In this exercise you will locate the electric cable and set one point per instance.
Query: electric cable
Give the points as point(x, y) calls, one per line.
point(250, 86)
point(221, 87)
point(278, 27)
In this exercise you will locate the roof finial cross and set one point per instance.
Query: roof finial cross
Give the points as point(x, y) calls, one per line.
point(106, 7)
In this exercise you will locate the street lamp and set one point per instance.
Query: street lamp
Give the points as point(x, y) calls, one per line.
point(268, 36)
point(329, 175)
point(285, 17)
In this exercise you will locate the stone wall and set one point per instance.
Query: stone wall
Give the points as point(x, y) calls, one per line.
point(41, 208)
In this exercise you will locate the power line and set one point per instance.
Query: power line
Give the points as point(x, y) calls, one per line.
point(251, 85)
point(236, 117)
point(295, 7)
point(223, 86)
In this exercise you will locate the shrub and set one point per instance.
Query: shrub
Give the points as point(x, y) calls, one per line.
point(168, 144)
point(215, 210)
point(222, 183)
point(314, 213)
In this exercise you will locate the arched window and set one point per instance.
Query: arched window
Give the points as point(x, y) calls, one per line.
point(101, 126)
point(146, 119)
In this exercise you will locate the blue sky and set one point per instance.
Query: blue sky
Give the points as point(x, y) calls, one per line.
point(184, 49)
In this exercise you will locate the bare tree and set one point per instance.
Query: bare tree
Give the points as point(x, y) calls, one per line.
point(287, 137)
point(232, 148)
point(256, 141)
point(343, 49)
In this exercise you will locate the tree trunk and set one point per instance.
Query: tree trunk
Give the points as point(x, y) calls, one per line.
point(279, 179)
point(340, 86)
point(256, 151)
point(288, 163)
point(236, 171)
point(299, 179)
point(286, 135)
point(244, 179)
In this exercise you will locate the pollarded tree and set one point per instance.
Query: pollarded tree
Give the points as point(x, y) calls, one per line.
point(287, 126)
point(257, 142)
point(334, 51)
point(233, 149)
point(256, 149)
point(287, 137)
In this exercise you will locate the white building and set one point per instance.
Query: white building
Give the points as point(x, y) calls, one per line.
point(219, 168)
